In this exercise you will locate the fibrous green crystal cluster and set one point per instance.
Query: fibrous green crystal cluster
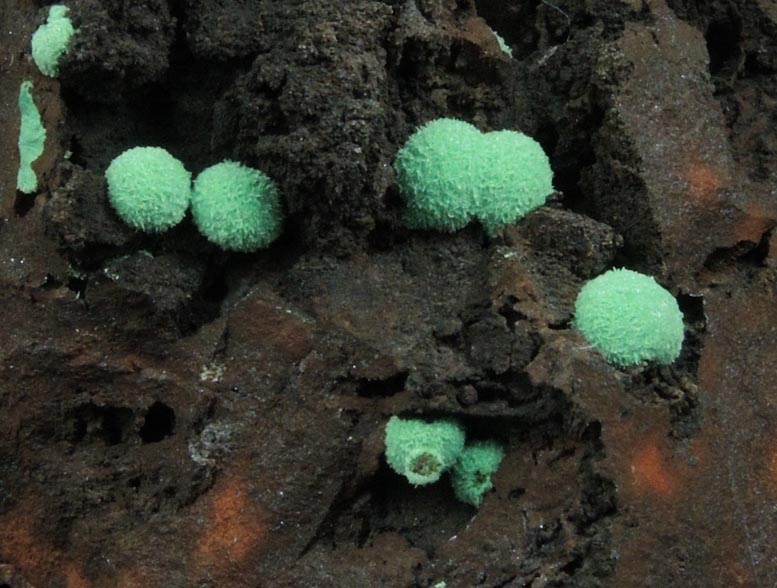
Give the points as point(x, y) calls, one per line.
point(50, 41)
point(236, 207)
point(471, 476)
point(449, 174)
point(149, 188)
point(630, 318)
point(422, 451)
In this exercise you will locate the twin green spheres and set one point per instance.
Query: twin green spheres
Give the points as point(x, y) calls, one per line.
point(423, 451)
point(450, 174)
point(234, 206)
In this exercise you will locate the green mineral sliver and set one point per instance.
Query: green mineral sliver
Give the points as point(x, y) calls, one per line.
point(51, 40)
point(503, 45)
point(32, 136)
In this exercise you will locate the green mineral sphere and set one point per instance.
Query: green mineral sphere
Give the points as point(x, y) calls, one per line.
point(422, 451)
point(471, 476)
point(149, 188)
point(435, 170)
point(237, 207)
point(515, 179)
point(630, 318)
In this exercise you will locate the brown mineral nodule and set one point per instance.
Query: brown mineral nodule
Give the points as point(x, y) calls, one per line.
point(177, 415)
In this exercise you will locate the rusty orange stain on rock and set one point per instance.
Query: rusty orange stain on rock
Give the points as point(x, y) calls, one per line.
point(771, 468)
point(22, 545)
point(650, 472)
point(755, 221)
point(235, 526)
point(131, 579)
point(704, 181)
point(74, 578)
point(258, 320)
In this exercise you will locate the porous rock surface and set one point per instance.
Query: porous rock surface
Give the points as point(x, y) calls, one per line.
point(174, 415)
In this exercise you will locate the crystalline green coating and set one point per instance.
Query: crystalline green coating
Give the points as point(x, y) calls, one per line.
point(149, 188)
point(630, 318)
point(236, 207)
point(422, 451)
point(471, 476)
point(32, 137)
point(449, 173)
point(50, 41)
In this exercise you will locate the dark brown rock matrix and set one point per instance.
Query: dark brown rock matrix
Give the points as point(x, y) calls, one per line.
point(175, 415)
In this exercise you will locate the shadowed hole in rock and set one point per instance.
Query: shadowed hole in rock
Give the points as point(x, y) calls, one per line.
point(50, 283)
point(23, 204)
point(109, 424)
point(516, 493)
point(158, 424)
point(382, 388)
point(206, 302)
point(514, 21)
point(743, 252)
point(723, 39)
point(510, 313)
point(77, 285)
point(592, 435)
point(424, 515)
point(692, 307)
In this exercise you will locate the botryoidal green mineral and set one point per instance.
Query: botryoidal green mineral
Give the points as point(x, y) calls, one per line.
point(32, 137)
point(236, 207)
point(423, 451)
point(149, 188)
point(449, 174)
point(630, 318)
point(50, 41)
point(471, 476)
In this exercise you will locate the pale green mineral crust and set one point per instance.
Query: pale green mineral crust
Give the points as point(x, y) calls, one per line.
point(32, 136)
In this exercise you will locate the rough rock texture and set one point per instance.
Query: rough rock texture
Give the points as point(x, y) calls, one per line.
point(176, 416)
